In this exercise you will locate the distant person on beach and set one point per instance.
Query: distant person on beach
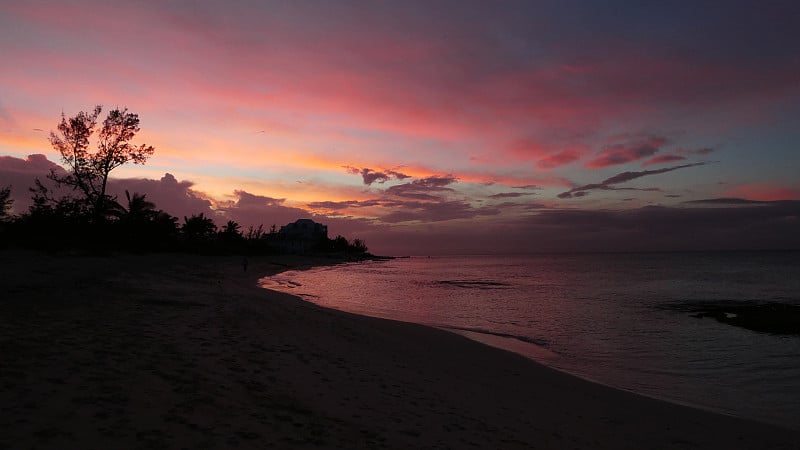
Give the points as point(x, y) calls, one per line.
point(244, 264)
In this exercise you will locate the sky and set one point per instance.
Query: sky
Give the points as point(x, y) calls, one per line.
point(432, 127)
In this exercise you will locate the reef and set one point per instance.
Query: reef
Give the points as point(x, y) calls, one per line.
point(765, 317)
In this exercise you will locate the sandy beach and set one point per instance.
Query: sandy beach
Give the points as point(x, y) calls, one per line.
point(180, 351)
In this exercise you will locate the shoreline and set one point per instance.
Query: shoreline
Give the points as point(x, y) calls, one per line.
point(176, 351)
point(526, 349)
point(530, 349)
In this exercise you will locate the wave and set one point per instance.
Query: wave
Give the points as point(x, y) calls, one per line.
point(526, 339)
point(475, 284)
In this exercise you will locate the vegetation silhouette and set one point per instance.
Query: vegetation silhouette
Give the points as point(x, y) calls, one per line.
point(86, 218)
point(87, 171)
point(6, 202)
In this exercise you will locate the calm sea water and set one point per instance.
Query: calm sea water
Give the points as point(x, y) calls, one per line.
point(596, 316)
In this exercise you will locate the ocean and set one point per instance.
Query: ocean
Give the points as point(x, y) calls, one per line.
point(602, 317)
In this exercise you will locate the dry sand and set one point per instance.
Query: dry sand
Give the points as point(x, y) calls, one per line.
point(186, 352)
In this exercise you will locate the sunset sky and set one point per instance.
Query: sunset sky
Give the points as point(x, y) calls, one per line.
point(433, 126)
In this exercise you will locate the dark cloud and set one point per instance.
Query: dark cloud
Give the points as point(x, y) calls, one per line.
point(173, 196)
point(397, 175)
point(510, 194)
point(424, 188)
point(253, 210)
point(535, 206)
point(677, 155)
point(36, 164)
point(335, 206)
point(452, 226)
point(628, 176)
point(768, 226)
point(627, 151)
point(419, 201)
point(726, 201)
point(21, 173)
point(662, 159)
point(608, 184)
point(247, 200)
point(370, 176)
point(176, 197)
point(436, 212)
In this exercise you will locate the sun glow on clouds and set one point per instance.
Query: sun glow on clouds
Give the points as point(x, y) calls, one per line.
point(308, 102)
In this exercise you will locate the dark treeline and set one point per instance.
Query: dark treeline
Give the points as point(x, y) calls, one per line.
point(136, 225)
point(87, 218)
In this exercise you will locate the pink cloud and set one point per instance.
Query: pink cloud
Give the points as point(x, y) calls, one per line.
point(326, 96)
point(406, 101)
point(559, 159)
point(548, 155)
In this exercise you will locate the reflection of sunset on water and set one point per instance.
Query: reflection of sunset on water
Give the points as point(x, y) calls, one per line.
point(605, 318)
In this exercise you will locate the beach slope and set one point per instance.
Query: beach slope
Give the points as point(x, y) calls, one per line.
point(178, 351)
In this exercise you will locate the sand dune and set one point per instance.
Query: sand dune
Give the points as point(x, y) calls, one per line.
point(187, 352)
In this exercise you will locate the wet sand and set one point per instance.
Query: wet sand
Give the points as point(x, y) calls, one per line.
point(176, 351)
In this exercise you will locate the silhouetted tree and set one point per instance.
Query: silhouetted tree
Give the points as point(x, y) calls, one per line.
point(165, 226)
point(87, 171)
point(254, 233)
point(359, 246)
point(198, 226)
point(5, 208)
point(138, 210)
point(231, 228)
point(57, 210)
point(55, 223)
point(6, 202)
point(139, 225)
point(231, 232)
point(340, 244)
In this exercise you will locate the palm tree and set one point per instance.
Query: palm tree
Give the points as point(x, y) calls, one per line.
point(139, 208)
point(231, 232)
point(198, 226)
point(231, 228)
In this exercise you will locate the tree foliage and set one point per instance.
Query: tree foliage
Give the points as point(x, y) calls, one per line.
point(139, 209)
point(88, 171)
point(359, 246)
point(5, 202)
point(198, 226)
point(341, 244)
point(87, 218)
point(231, 229)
